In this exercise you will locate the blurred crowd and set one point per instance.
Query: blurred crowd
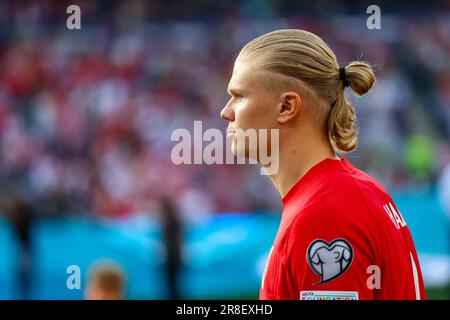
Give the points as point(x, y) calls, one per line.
point(86, 115)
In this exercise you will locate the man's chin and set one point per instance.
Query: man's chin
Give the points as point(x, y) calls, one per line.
point(242, 153)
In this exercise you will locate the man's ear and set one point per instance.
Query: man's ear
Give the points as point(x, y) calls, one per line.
point(289, 106)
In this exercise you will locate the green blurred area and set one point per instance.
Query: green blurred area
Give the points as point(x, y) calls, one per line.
point(440, 293)
point(419, 156)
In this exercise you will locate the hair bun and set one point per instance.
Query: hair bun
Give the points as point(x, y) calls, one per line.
point(360, 77)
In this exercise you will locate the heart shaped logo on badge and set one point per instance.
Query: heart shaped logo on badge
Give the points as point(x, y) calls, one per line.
point(329, 260)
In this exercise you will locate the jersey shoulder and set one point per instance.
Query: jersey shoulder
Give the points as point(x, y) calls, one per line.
point(349, 203)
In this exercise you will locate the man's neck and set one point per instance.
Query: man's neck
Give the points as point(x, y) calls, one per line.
point(296, 159)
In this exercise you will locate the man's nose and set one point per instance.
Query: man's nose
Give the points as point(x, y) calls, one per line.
point(227, 113)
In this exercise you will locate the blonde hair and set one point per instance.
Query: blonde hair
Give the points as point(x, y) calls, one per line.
point(306, 57)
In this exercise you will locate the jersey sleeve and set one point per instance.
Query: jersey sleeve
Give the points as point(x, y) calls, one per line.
point(330, 256)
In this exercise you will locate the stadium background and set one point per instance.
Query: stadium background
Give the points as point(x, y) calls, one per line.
point(86, 117)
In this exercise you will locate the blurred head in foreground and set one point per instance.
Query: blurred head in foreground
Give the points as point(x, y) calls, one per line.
point(290, 80)
point(106, 282)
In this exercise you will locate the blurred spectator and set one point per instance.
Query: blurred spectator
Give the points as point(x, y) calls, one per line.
point(173, 242)
point(21, 216)
point(107, 282)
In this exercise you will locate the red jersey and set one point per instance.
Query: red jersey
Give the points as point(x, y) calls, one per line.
point(341, 237)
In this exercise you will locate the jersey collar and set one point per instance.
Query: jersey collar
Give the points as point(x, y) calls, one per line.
point(323, 165)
